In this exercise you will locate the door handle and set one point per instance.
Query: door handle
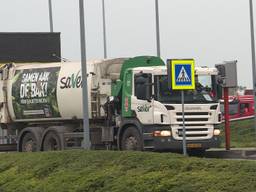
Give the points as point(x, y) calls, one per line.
point(162, 118)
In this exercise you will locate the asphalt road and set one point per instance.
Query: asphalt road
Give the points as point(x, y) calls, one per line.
point(234, 153)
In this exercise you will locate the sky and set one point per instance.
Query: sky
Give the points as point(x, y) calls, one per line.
point(208, 31)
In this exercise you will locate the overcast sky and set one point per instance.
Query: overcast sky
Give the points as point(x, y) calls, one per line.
point(210, 31)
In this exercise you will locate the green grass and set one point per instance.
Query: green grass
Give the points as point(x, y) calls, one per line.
point(113, 171)
point(243, 134)
point(103, 171)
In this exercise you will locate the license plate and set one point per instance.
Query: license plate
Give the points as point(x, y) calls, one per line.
point(194, 145)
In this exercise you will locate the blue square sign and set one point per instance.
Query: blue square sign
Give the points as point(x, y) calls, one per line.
point(182, 74)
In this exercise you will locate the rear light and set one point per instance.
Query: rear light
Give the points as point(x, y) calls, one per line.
point(164, 133)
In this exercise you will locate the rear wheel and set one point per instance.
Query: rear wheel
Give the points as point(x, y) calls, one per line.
point(29, 143)
point(52, 142)
point(131, 140)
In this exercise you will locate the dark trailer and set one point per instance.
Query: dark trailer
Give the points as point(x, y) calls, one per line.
point(30, 47)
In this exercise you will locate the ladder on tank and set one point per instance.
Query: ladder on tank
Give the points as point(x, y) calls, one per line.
point(95, 103)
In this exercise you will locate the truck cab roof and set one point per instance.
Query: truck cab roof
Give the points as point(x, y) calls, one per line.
point(162, 70)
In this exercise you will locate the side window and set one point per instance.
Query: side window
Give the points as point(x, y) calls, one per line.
point(244, 108)
point(233, 109)
point(142, 87)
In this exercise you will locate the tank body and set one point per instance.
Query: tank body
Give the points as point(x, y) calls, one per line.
point(53, 91)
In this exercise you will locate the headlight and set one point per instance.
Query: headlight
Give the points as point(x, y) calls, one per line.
point(216, 132)
point(164, 133)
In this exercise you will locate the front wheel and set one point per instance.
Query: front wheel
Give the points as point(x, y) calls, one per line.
point(131, 140)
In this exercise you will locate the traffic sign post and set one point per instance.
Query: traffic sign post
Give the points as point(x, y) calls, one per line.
point(227, 78)
point(226, 112)
point(184, 143)
point(182, 77)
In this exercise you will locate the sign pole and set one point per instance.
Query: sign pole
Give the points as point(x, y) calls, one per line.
point(226, 111)
point(182, 77)
point(183, 126)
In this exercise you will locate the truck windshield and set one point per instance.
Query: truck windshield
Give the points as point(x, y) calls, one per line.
point(204, 92)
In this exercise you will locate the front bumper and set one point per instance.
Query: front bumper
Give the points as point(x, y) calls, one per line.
point(169, 143)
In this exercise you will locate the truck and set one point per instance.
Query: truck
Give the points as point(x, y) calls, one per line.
point(240, 107)
point(131, 106)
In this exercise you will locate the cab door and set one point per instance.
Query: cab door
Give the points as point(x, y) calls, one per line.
point(161, 114)
point(142, 102)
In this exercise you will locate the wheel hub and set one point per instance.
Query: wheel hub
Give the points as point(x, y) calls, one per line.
point(131, 143)
point(53, 145)
point(29, 146)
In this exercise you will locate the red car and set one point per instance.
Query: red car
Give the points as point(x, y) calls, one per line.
point(240, 107)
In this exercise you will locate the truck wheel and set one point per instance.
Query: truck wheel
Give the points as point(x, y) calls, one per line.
point(131, 140)
point(28, 143)
point(52, 142)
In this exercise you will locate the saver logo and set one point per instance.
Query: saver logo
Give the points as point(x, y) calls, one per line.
point(143, 108)
point(72, 81)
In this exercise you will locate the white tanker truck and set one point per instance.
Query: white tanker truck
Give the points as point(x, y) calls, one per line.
point(130, 106)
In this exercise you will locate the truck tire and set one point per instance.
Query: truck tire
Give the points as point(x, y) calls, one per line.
point(29, 143)
point(52, 142)
point(131, 140)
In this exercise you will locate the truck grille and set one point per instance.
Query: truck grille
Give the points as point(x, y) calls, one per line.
point(194, 132)
point(192, 119)
point(195, 124)
point(193, 116)
point(192, 113)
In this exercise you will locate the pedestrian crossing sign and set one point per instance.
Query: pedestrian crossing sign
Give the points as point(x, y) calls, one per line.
point(182, 73)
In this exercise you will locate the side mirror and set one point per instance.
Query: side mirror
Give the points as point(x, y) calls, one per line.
point(149, 98)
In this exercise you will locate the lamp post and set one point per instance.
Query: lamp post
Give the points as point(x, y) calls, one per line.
point(104, 29)
point(157, 29)
point(87, 143)
point(50, 15)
